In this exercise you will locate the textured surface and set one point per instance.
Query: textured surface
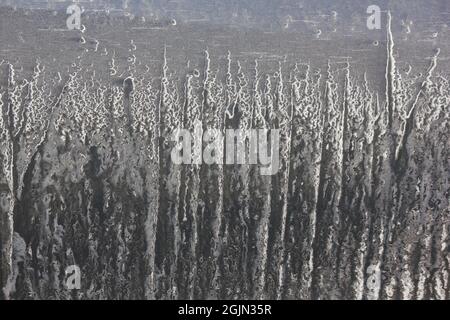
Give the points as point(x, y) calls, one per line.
point(358, 210)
